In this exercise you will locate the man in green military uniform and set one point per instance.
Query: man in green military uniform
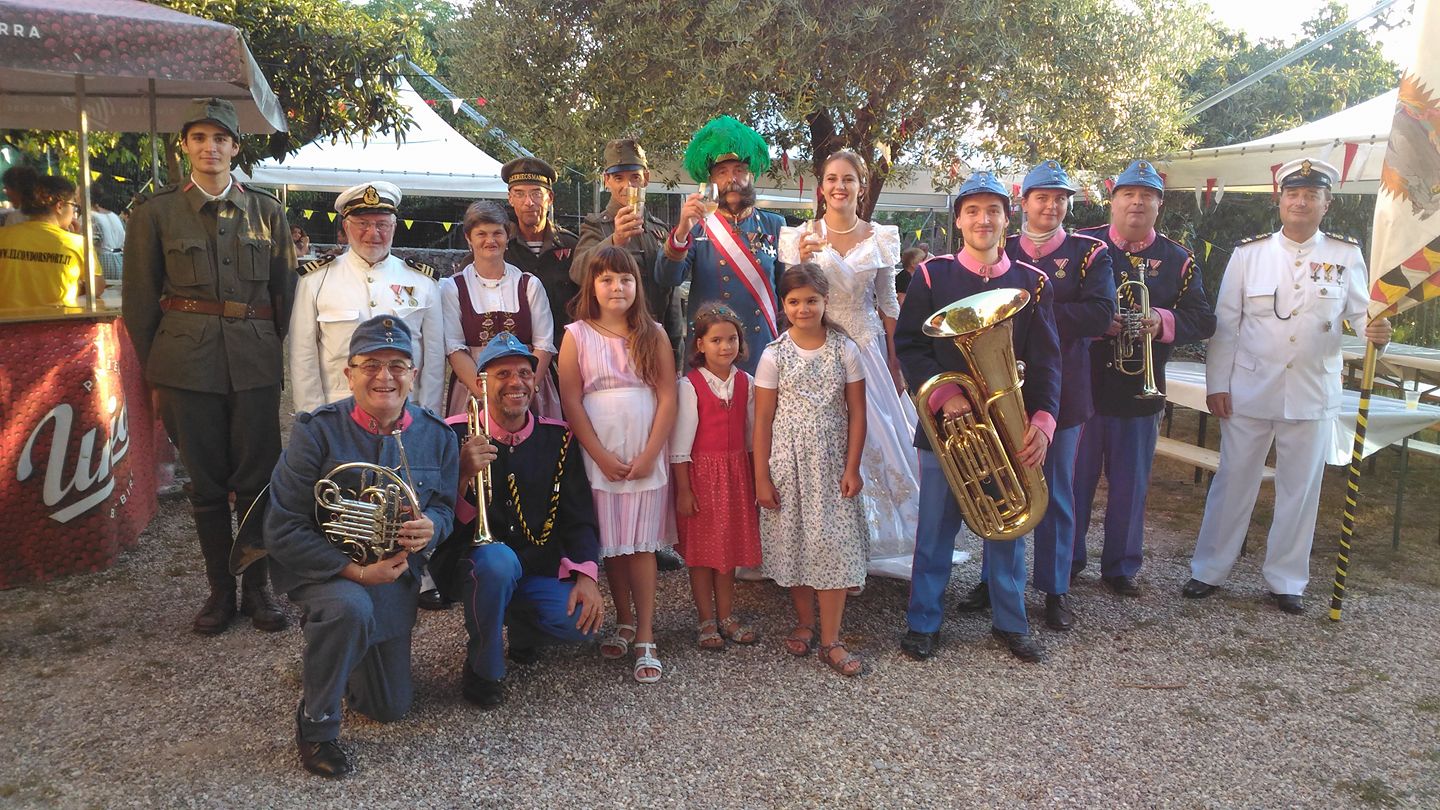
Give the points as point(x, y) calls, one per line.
point(635, 228)
point(209, 279)
point(537, 245)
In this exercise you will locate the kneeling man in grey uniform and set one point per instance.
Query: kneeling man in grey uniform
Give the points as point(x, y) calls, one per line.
point(358, 618)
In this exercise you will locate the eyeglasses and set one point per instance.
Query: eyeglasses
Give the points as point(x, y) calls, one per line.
point(365, 227)
point(398, 368)
point(534, 195)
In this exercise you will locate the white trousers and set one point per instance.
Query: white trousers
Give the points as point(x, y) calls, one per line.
point(1299, 467)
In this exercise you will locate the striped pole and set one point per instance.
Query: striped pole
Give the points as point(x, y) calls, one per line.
point(1352, 484)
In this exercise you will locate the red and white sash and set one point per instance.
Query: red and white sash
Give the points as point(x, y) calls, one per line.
point(723, 236)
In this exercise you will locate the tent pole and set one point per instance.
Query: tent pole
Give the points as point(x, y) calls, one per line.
point(87, 231)
point(154, 144)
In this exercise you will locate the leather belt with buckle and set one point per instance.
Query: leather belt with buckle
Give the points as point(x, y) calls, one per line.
point(223, 309)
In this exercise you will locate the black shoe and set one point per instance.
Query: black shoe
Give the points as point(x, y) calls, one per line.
point(1058, 615)
point(1021, 645)
point(482, 692)
point(259, 605)
point(524, 656)
point(1195, 589)
point(978, 599)
point(217, 613)
point(1288, 603)
point(666, 559)
point(324, 758)
point(1123, 586)
point(918, 645)
point(433, 600)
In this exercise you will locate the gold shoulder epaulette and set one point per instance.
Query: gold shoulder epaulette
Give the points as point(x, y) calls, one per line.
point(423, 268)
point(1249, 239)
point(1349, 240)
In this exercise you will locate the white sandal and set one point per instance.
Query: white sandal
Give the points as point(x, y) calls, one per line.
point(615, 641)
point(647, 660)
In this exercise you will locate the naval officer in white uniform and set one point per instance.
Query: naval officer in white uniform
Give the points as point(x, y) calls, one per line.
point(1272, 375)
point(337, 294)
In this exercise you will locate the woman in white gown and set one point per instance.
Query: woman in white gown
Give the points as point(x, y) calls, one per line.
point(859, 260)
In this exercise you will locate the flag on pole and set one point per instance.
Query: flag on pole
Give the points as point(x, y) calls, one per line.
point(1405, 240)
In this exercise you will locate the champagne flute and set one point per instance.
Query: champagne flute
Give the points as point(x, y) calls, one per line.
point(710, 197)
point(635, 198)
point(819, 234)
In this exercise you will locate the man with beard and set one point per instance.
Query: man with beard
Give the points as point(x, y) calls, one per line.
point(729, 255)
point(640, 232)
point(207, 289)
point(1119, 440)
point(537, 575)
point(537, 245)
point(336, 294)
point(1272, 376)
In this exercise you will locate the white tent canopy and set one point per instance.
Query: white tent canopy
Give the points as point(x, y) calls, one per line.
point(429, 159)
point(1361, 132)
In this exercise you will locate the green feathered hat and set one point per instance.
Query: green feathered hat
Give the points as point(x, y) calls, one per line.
point(724, 139)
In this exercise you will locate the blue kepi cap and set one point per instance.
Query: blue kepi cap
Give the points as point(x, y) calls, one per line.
point(1141, 173)
point(381, 332)
point(505, 345)
point(1047, 174)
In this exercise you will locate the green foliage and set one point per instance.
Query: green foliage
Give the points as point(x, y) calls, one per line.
point(1343, 72)
point(922, 80)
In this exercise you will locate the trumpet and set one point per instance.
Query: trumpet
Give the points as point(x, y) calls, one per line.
point(1134, 354)
point(477, 412)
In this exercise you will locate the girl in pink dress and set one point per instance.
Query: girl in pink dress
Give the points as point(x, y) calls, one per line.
point(714, 479)
point(617, 388)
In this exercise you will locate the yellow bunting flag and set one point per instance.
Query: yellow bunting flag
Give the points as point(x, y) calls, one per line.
point(330, 214)
point(94, 175)
point(409, 223)
point(448, 226)
point(307, 213)
point(917, 233)
point(1207, 250)
point(120, 179)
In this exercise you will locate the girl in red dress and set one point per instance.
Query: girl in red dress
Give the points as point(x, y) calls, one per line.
point(716, 519)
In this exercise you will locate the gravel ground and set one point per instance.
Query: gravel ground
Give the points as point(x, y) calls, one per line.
point(109, 701)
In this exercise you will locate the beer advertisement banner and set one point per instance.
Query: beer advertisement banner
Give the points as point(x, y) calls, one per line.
point(78, 448)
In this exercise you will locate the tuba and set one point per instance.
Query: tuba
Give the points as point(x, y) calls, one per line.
point(1134, 354)
point(477, 419)
point(1000, 499)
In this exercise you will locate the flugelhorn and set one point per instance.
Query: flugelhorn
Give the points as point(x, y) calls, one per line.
point(1134, 354)
point(477, 412)
point(1000, 498)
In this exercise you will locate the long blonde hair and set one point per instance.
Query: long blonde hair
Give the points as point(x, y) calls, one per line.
point(646, 338)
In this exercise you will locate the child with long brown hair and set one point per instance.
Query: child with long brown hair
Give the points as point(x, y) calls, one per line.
point(617, 388)
point(714, 482)
point(809, 433)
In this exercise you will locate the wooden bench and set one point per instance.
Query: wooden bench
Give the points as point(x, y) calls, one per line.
point(1198, 457)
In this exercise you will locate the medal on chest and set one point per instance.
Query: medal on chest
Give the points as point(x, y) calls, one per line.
point(1060, 267)
point(404, 296)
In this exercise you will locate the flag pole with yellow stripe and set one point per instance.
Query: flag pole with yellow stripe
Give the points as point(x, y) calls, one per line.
point(1352, 485)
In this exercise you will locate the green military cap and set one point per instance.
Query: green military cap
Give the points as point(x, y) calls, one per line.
point(215, 111)
point(530, 170)
point(625, 155)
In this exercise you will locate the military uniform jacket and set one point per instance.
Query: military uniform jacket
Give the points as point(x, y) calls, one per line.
point(942, 280)
point(712, 280)
point(552, 267)
point(237, 249)
point(1276, 348)
point(1082, 288)
point(1169, 270)
point(645, 249)
point(335, 296)
point(534, 462)
point(331, 435)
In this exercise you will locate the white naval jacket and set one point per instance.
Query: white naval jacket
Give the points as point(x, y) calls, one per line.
point(1276, 347)
point(334, 297)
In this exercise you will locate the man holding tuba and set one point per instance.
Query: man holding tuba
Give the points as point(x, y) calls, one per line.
point(358, 615)
point(1272, 376)
point(981, 216)
point(1120, 438)
point(535, 570)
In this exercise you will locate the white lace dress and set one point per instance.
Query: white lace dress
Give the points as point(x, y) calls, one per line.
point(862, 288)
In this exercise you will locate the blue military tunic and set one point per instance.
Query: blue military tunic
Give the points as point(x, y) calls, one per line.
point(1082, 289)
point(713, 279)
point(1168, 269)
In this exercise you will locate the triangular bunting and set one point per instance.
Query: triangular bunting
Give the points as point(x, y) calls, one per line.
point(307, 213)
point(455, 104)
point(448, 226)
point(330, 214)
point(409, 223)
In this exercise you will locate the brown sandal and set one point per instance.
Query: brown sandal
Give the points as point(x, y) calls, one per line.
point(731, 628)
point(849, 666)
point(801, 647)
